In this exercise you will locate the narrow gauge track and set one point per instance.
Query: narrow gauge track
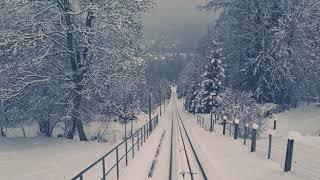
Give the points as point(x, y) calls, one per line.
point(188, 153)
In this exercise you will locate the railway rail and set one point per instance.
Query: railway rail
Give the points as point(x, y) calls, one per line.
point(192, 161)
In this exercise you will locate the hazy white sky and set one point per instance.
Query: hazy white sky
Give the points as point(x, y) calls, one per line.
point(179, 19)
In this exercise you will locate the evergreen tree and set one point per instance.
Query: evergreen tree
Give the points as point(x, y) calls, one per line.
point(211, 86)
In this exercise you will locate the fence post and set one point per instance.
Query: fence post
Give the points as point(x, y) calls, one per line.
point(164, 105)
point(117, 158)
point(147, 130)
point(211, 119)
point(224, 124)
point(289, 153)
point(215, 118)
point(246, 128)
point(269, 148)
point(126, 151)
point(138, 144)
point(202, 122)
point(141, 140)
point(236, 128)
point(126, 142)
point(157, 121)
point(275, 124)
point(150, 120)
point(254, 137)
point(144, 133)
point(132, 142)
point(160, 107)
point(230, 128)
point(103, 169)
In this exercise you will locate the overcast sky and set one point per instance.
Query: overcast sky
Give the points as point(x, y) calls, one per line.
point(179, 20)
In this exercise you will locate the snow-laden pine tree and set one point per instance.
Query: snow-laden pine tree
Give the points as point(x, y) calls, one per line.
point(212, 85)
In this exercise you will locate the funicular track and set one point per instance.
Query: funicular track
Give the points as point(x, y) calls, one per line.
point(195, 169)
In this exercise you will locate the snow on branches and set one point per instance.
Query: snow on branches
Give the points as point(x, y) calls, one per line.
point(212, 85)
point(68, 52)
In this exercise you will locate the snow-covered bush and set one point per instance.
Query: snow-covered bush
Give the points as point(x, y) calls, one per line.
point(240, 105)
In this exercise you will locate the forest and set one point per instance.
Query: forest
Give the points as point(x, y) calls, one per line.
point(66, 61)
point(63, 63)
point(256, 53)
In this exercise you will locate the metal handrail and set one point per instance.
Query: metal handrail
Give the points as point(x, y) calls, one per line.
point(145, 129)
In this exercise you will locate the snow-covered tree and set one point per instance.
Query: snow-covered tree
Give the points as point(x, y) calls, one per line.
point(212, 85)
point(68, 46)
point(262, 41)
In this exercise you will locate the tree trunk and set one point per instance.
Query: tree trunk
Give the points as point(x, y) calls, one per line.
point(3, 134)
point(22, 128)
point(75, 118)
point(77, 77)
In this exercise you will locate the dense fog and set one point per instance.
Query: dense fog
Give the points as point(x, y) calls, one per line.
point(178, 21)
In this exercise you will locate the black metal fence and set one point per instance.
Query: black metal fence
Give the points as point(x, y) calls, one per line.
point(200, 120)
point(250, 133)
point(137, 139)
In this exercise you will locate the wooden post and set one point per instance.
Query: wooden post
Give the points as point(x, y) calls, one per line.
point(254, 137)
point(246, 128)
point(274, 124)
point(236, 128)
point(211, 115)
point(230, 128)
point(215, 118)
point(117, 158)
point(289, 153)
point(144, 133)
point(202, 122)
point(147, 130)
point(141, 140)
point(103, 169)
point(211, 121)
point(224, 124)
point(157, 120)
point(138, 144)
point(150, 120)
point(269, 147)
point(164, 104)
point(132, 142)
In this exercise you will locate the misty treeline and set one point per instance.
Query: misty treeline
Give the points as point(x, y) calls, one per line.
point(67, 61)
point(269, 53)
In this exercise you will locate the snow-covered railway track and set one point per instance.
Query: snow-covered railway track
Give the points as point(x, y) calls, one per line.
point(196, 167)
point(171, 151)
point(190, 167)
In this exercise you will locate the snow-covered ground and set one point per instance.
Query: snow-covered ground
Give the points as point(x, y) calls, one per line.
point(41, 158)
point(227, 159)
point(222, 157)
point(304, 119)
point(46, 158)
point(302, 124)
